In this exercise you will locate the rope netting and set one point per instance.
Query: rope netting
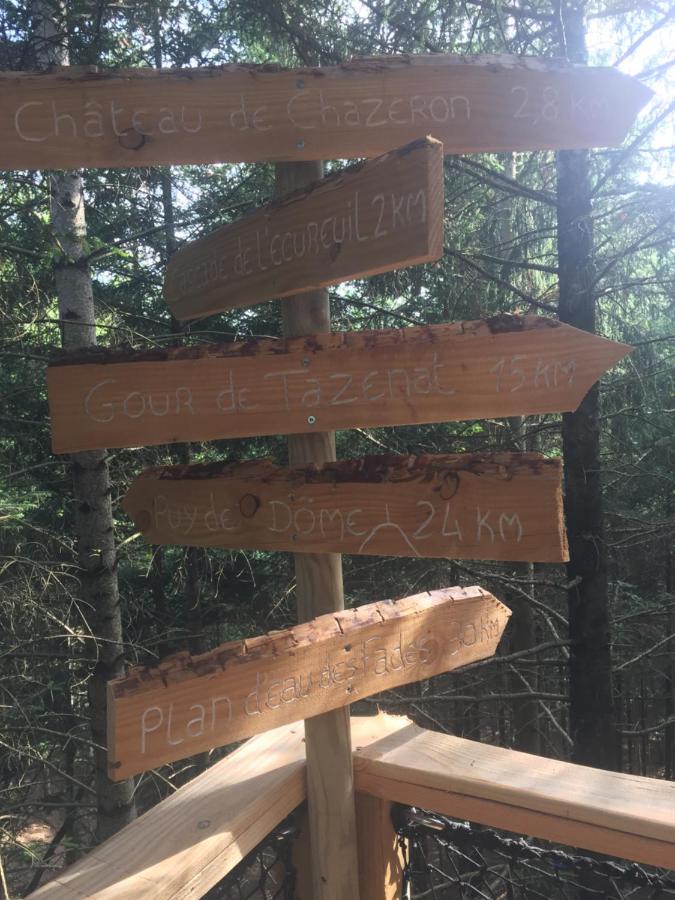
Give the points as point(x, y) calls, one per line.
point(267, 873)
point(450, 860)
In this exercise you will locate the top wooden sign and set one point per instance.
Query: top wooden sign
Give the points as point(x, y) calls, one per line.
point(139, 117)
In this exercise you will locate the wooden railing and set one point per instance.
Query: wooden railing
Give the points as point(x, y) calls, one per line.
point(191, 840)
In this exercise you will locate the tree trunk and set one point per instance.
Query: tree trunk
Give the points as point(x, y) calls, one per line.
point(96, 552)
point(592, 718)
point(521, 632)
point(669, 673)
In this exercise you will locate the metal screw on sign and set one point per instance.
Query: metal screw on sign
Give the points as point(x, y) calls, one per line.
point(205, 823)
point(311, 420)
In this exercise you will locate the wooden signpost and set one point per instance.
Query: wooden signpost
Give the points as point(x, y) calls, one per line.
point(189, 704)
point(374, 217)
point(502, 506)
point(319, 590)
point(505, 366)
point(75, 118)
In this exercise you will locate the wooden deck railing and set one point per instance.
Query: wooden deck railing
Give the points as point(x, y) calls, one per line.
point(191, 840)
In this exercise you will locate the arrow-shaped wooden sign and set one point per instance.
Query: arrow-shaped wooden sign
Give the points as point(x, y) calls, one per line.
point(373, 217)
point(502, 506)
point(141, 117)
point(190, 704)
point(504, 366)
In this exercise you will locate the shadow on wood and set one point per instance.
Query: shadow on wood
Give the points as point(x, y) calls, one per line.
point(191, 840)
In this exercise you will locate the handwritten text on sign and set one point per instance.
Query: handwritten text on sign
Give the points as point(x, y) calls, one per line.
point(372, 218)
point(504, 506)
point(141, 117)
point(506, 366)
point(189, 704)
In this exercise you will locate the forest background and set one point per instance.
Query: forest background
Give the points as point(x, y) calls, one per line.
point(587, 669)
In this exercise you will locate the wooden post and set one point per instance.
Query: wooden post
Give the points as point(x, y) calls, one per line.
point(380, 856)
point(330, 783)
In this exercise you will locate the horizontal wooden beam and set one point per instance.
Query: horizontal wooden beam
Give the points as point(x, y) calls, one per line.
point(191, 840)
point(506, 365)
point(505, 506)
point(363, 107)
point(188, 704)
point(187, 843)
point(373, 217)
point(607, 812)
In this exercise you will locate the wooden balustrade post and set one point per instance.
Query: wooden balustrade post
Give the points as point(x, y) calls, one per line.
point(330, 784)
point(380, 856)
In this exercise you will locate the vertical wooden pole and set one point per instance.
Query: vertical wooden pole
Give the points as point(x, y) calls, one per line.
point(330, 784)
point(380, 857)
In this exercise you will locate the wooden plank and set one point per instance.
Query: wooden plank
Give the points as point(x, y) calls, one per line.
point(188, 842)
point(503, 506)
point(319, 589)
point(189, 704)
point(301, 857)
point(380, 855)
point(192, 839)
point(607, 812)
point(373, 217)
point(504, 366)
point(143, 117)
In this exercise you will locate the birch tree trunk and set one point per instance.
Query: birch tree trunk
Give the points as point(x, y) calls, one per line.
point(592, 717)
point(96, 552)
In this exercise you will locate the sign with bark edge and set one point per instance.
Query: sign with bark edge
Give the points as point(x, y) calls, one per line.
point(81, 117)
point(503, 366)
point(189, 704)
point(372, 217)
point(501, 506)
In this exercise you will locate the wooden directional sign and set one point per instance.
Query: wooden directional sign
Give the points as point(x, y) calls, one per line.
point(189, 704)
point(140, 117)
point(503, 506)
point(504, 366)
point(372, 218)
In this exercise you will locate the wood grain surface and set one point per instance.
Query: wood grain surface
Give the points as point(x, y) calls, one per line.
point(189, 841)
point(188, 704)
point(364, 107)
point(319, 589)
point(505, 506)
point(504, 366)
point(608, 812)
point(370, 218)
point(192, 839)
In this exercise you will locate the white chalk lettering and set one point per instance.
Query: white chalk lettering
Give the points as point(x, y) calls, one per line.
point(418, 535)
point(482, 523)
point(214, 707)
point(136, 404)
point(145, 728)
point(109, 414)
point(510, 522)
point(18, 127)
point(95, 121)
point(520, 372)
point(169, 739)
point(197, 722)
